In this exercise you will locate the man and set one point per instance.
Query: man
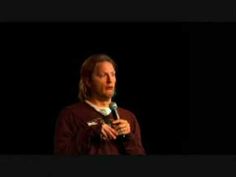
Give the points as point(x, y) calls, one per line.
point(94, 126)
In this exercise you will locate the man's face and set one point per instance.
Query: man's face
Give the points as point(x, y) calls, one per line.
point(103, 81)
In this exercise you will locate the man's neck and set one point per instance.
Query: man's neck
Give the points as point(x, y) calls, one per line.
point(100, 103)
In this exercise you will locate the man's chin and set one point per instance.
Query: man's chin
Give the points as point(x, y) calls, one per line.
point(107, 96)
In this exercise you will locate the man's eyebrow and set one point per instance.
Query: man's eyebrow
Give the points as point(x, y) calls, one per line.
point(105, 72)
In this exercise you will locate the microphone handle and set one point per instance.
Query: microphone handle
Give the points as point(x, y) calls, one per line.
point(118, 117)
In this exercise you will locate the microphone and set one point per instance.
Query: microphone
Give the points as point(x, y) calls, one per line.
point(113, 106)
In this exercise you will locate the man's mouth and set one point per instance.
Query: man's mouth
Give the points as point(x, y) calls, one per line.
point(109, 88)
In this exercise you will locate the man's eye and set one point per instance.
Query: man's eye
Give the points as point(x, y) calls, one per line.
point(102, 75)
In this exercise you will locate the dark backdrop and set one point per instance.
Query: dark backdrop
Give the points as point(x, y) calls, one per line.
point(176, 77)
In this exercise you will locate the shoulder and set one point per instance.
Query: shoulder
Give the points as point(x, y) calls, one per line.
point(126, 113)
point(76, 108)
point(75, 113)
point(129, 116)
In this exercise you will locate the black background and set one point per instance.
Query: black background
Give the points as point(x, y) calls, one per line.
point(178, 78)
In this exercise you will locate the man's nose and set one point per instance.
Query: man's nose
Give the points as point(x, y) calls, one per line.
point(109, 79)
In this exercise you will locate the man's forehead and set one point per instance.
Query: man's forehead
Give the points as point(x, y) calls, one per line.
point(104, 66)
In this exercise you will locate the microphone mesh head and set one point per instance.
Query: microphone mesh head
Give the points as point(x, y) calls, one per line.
point(113, 105)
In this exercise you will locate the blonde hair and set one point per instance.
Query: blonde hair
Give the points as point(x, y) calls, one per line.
point(86, 71)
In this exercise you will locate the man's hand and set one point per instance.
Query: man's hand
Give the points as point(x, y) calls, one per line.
point(121, 126)
point(108, 133)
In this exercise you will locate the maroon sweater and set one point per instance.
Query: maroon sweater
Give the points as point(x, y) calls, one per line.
point(75, 136)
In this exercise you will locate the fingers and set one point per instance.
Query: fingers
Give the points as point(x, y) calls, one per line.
point(108, 132)
point(119, 121)
point(123, 131)
point(112, 133)
point(104, 134)
point(121, 126)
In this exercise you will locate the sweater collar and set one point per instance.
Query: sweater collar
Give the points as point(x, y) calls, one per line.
point(103, 110)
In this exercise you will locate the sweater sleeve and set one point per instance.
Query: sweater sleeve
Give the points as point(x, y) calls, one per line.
point(73, 136)
point(133, 142)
